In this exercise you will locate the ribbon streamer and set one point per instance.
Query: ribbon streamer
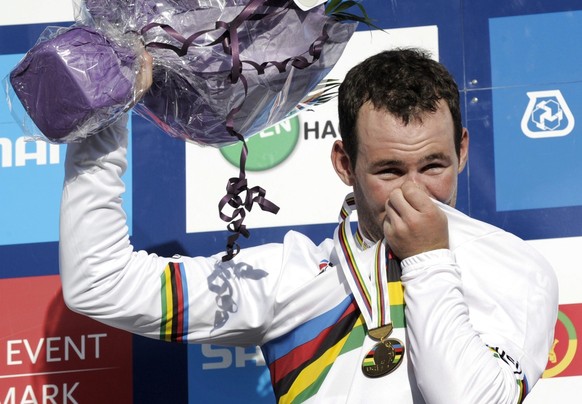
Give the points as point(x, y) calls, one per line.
point(237, 186)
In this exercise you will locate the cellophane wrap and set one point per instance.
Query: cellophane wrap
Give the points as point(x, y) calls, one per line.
point(221, 67)
point(74, 82)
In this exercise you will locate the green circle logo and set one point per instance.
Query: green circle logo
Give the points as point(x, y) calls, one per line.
point(268, 148)
point(562, 361)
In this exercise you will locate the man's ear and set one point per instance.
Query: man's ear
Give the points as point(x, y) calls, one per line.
point(464, 149)
point(341, 163)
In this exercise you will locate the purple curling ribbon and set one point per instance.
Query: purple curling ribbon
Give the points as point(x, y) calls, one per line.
point(239, 196)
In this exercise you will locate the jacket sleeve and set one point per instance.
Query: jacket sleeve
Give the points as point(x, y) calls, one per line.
point(480, 320)
point(185, 299)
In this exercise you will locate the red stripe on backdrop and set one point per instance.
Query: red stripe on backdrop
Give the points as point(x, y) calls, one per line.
point(47, 351)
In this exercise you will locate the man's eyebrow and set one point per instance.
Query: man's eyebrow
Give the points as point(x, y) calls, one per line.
point(435, 156)
point(388, 163)
point(424, 160)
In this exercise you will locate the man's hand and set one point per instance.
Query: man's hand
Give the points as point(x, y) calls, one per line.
point(144, 78)
point(413, 223)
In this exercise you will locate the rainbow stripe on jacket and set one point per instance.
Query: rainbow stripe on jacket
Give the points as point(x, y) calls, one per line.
point(300, 360)
point(174, 291)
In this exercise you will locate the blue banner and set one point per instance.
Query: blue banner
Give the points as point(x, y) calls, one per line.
point(537, 93)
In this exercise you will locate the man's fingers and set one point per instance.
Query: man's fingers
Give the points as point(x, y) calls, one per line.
point(144, 78)
point(413, 223)
point(416, 197)
point(396, 208)
point(408, 200)
point(395, 205)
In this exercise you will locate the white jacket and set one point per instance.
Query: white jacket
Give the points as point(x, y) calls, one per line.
point(490, 290)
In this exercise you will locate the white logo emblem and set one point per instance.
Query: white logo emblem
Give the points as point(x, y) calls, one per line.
point(547, 115)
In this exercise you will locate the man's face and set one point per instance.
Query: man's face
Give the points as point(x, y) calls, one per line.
point(391, 153)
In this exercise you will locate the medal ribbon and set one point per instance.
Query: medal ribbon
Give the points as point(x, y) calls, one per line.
point(369, 285)
point(395, 291)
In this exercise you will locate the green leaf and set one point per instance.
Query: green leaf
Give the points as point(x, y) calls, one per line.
point(337, 9)
point(343, 6)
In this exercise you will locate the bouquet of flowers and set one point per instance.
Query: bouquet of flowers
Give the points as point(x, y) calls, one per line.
point(222, 71)
point(221, 67)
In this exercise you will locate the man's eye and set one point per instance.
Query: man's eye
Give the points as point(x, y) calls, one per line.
point(433, 167)
point(390, 172)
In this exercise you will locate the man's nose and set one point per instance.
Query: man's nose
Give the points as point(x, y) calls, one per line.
point(416, 180)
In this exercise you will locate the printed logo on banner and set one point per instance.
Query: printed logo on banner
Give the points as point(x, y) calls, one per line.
point(268, 148)
point(547, 115)
point(535, 103)
point(49, 354)
point(564, 358)
point(244, 368)
point(31, 179)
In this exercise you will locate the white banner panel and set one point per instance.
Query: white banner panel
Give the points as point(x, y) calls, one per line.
point(35, 11)
point(556, 390)
point(565, 254)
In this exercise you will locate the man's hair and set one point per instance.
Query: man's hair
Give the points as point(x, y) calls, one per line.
point(404, 82)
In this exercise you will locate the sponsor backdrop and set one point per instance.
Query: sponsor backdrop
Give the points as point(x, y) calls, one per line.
point(517, 65)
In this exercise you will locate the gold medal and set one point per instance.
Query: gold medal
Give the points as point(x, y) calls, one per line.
point(378, 334)
point(368, 277)
point(383, 358)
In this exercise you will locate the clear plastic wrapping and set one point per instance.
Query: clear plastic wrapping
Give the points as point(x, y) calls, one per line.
point(74, 82)
point(220, 66)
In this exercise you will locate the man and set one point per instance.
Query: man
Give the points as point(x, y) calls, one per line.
point(469, 319)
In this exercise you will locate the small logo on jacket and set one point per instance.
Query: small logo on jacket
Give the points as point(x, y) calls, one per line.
point(324, 264)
